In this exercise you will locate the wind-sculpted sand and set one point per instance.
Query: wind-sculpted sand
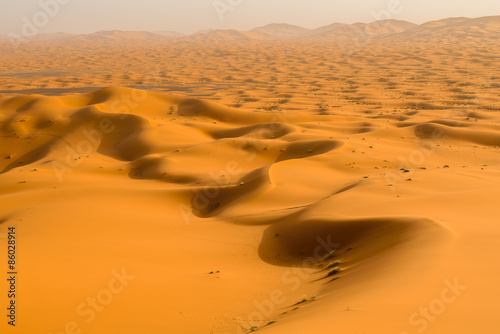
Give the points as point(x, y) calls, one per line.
point(277, 184)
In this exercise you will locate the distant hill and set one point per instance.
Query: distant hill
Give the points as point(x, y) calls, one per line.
point(171, 34)
point(364, 30)
point(282, 31)
point(229, 35)
point(121, 35)
point(453, 29)
point(41, 37)
point(113, 37)
point(340, 33)
point(444, 22)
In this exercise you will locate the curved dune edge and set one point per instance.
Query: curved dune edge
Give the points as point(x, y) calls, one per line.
point(294, 240)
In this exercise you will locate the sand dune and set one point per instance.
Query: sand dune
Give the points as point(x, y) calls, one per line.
point(229, 35)
point(333, 32)
point(456, 29)
point(256, 180)
point(283, 31)
point(371, 30)
point(117, 36)
point(443, 22)
point(172, 34)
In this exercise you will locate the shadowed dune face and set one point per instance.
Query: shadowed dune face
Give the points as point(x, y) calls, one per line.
point(262, 131)
point(220, 197)
point(231, 157)
point(303, 149)
point(300, 242)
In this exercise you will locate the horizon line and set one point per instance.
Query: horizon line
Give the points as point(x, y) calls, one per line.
point(261, 26)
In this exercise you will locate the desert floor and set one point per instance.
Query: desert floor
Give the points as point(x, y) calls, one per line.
point(226, 186)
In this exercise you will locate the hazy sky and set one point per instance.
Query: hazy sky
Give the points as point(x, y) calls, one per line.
point(188, 16)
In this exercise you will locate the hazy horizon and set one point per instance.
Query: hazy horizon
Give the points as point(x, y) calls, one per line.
point(229, 28)
point(77, 17)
